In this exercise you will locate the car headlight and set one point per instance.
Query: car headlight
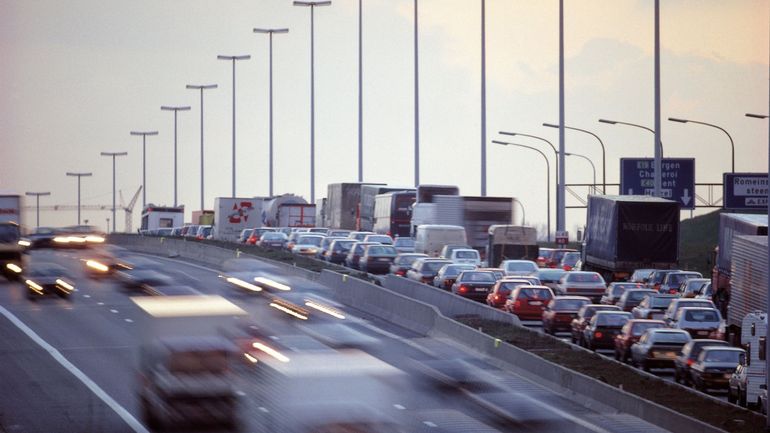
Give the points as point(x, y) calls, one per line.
point(24, 243)
point(95, 239)
point(61, 239)
point(65, 285)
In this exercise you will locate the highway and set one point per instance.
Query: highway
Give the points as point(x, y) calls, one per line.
point(90, 382)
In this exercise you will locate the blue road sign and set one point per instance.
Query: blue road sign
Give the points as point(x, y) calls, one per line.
point(637, 177)
point(745, 191)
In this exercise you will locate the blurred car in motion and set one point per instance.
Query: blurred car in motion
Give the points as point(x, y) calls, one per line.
point(42, 237)
point(355, 253)
point(474, 284)
point(503, 289)
point(560, 311)
point(673, 280)
point(382, 239)
point(403, 262)
point(47, 278)
point(404, 245)
point(514, 268)
point(105, 260)
point(274, 240)
point(447, 275)
point(700, 322)
point(80, 236)
point(615, 291)
point(603, 328)
point(689, 354)
point(424, 270)
point(377, 259)
point(633, 297)
point(338, 250)
point(570, 261)
point(630, 334)
point(307, 244)
point(528, 302)
point(584, 316)
point(581, 283)
point(658, 348)
point(690, 288)
point(187, 381)
point(550, 277)
point(677, 303)
point(714, 367)
point(652, 306)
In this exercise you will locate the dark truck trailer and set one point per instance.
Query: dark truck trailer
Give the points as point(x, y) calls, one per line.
point(629, 232)
point(510, 242)
point(366, 215)
point(732, 225)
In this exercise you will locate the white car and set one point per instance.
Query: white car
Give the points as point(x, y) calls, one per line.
point(519, 268)
point(465, 255)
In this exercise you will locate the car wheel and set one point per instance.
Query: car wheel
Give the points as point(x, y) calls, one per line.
point(677, 376)
point(645, 367)
point(730, 397)
point(572, 337)
point(741, 398)
point(148, 414)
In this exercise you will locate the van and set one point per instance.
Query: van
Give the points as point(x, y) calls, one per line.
point(748, 380)
point(466, 255)
point(431, 238)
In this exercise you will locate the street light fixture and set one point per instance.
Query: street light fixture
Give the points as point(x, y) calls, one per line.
point(144, 162)
point(547, 178)
point(175, 110)
point(37, 198)
point(271, 32)
point(113, 155)
point(312, 5)
point(601, 143)
point(587, 159)
point(756, 116)
point(732, 144)
point(657, 160)
point(233, 59)
point(617, 122)
point(201, 88)
point(79, 175)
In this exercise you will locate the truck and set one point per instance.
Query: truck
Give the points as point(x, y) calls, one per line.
point(203, 217)
point(367, 204)
point(343, 205)
point(320, 212)
point(730, 226)
point(510, 242)
point(11, 251)
point(393, 213)
point(288, 210)
point(628, 232)
point(157, 217)
point(430, 239)
point(232, 215)
point(748, 282)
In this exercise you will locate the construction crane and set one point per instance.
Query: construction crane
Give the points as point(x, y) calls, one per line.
point(129, 210)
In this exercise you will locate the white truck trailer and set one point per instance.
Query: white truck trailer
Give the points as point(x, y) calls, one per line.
point(233, 214)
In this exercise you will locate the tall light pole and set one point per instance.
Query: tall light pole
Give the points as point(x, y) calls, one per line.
point(79, 175)
point(271, 32)
point(601, 143)
point(312, 5)
point(483, 99)
point(360, 92)
point(416, 100)
point(732, 143)
point(561, 215)
point(144, 162)
point(618, 122)
point(202, 88)
point(233, 59)
point(175, 110)
point(37, 199)
point(547, 178)
point(657, 163)
point(113, 155)
point(593, 167)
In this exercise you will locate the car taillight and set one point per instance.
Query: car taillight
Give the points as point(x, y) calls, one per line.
point(672, 291)
point(567, 267)
point(400, 273)
point(690, 362)
point(517, 304)
point(463, 289)
point(598, 334)
point(498, 297)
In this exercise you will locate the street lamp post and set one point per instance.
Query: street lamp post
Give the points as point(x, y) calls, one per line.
point(113, 155)
point(79, 175)
point(233, 59)
point(37, 199)
point(732, 143)
point(312, 5)
point(175, 110)
point(483, 100)
point(271, 32)
point(658, 148)
point(360, 91)
point(601, 143)
point(416, 100)
point(202, 88)
point(593, 167)
point(144, 162)
point(547, 178)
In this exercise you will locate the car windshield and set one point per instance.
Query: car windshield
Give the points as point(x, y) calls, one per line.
point(343, 245)
point(611, 319)
point(584, 277)
point(205, 231)
point(639, 328)
point(403, 242)
point(9, 233)
point(520, 266)
point(534, 293)
point(571, 258)
point(381, 239)
point(381, 250)
point(660, 302)
point(310, 240)
point(551, 274)
point(677, 279)
point(670, 337)
point(731, 356)
point(568, 304)
point(701, 316)
point(479, 277)
point(618, 290)
point(433, 266)
point(454, 270)
point(467, 254)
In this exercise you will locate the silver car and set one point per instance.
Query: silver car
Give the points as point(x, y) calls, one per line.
point(582, 283)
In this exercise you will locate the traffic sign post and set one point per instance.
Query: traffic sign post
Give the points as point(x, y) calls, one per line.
point(562, 238)
point(637, 177)
point(745, 191)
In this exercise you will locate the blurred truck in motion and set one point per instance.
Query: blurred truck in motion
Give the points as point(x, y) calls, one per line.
point(11, 251)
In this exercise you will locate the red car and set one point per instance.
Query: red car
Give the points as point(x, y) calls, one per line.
point(502, 289)
point(559, 313)
point(632, 330)
point(528, 302)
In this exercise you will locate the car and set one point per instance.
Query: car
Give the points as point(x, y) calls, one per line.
point(531, 280)
point(658, 348)
point(528, 302)
point(690, 288)
point(640, 276)
point(176, 231)
point(338, 250)
point(714, 367)
point(256, 234)
point(204, 231)
point(584, 315)
point(376, 259)
point(403, 261)
point(763, 399)
point(383, 239)
point(447, 275)
point(602, 329)
point(307, 244)
point(324, 246)
point(244, 236)
point(550, 277)
point(560, 311)
point(689, 354)
point(404, 244)
point(678, 303)
point(355, 253)
point(542, 256)
point(554, 256)
point(446, 250)
point(633, 297)
point(656, 277)
point(424, 270)
point(319, 230)
point(570, 260)
point(513, 268)
point(673, 280)
point(359, 236)
point(42, 237)
point(292, 240)
point(141, 279)
point(705, 292)
point(652, 306)
point(630, 333)
point(502, 290)
point(582, 283)
point(338, 233)
point(700, 322)
point(465, 255)
point(615, 290)
point(46, 278)
point(275, 240)
point(474, 284)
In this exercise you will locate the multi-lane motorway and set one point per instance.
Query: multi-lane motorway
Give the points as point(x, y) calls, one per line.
point(71, 365)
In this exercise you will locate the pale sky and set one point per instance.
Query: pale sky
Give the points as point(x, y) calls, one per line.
point(79, 75)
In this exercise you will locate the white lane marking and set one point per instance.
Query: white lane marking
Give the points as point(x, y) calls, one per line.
point(430, 424)
point(100, 303)
point(64, 362)
point(114, 311)
point(129, 320)
point(263, 409)
point(86, 296)
point(240, 393)
point(399, 407)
